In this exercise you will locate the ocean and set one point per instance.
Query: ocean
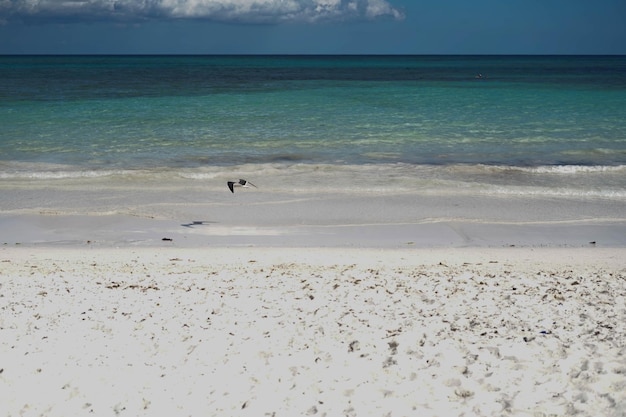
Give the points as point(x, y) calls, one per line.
point(492, 125)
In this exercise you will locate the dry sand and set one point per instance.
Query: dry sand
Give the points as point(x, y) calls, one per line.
point(324, 332)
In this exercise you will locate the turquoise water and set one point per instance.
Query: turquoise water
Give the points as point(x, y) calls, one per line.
point(142, 112)
point(557, 123)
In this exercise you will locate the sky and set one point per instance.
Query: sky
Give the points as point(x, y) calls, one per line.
point(313, 27)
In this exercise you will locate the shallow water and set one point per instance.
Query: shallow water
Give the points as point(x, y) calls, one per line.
point(161, 135)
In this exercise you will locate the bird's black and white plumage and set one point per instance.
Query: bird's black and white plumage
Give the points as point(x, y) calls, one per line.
point(240, 183)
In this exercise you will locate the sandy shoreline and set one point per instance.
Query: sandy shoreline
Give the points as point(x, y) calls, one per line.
point(111, 231)
point(316, 206)
point(317, 331)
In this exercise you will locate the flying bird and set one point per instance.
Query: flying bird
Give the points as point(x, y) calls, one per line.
point(240, 183)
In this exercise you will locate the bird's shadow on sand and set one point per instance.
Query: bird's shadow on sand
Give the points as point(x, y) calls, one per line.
point(195, 223)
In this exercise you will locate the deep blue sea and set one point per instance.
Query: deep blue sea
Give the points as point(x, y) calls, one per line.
point(474, 116)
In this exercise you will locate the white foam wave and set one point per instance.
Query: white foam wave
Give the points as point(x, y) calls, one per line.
point(559, 169)
point(58, 175)
point(299, 178)
point(555, 192)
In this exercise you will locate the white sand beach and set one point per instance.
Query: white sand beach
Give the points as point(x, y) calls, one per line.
point(312, 331)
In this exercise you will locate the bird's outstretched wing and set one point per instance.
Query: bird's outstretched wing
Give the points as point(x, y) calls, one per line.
point(240, 183)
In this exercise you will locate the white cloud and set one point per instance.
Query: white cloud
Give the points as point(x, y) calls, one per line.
point(252, 11)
